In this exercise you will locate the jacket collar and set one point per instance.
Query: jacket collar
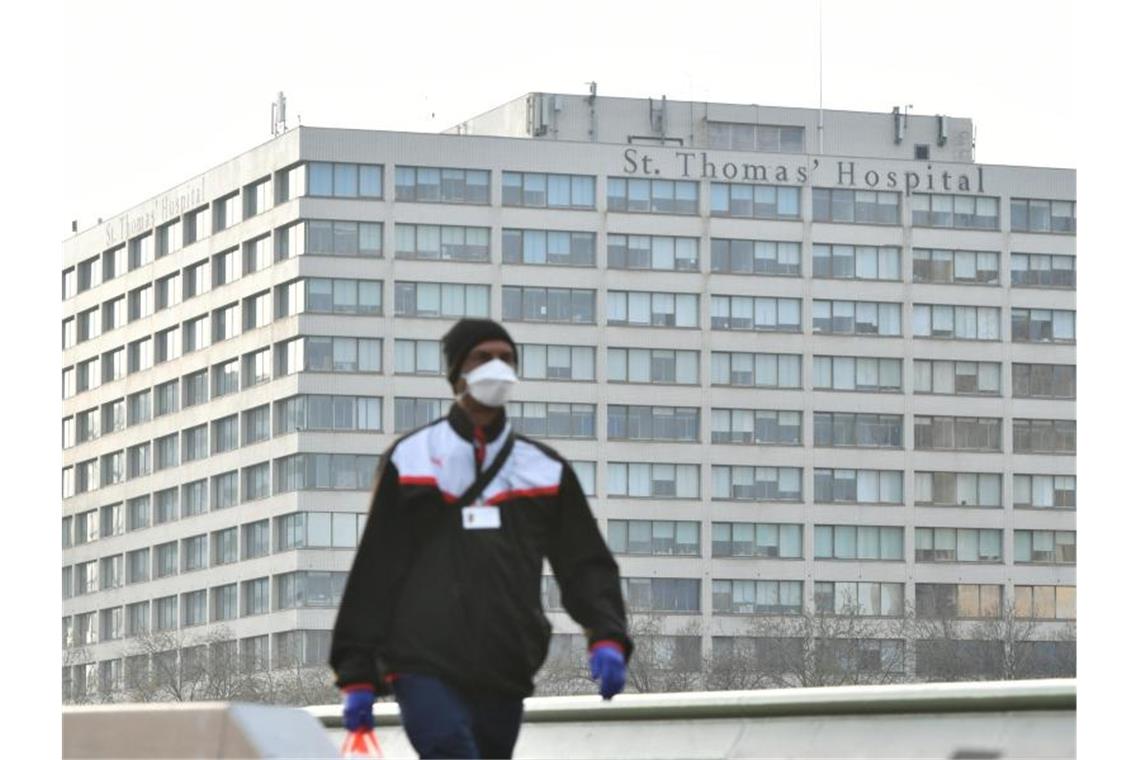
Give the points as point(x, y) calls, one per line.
point(462, 425)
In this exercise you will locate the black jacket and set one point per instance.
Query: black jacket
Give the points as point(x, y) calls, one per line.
point(428, 596)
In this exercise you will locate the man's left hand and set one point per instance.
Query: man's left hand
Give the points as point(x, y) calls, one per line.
point(607, 666)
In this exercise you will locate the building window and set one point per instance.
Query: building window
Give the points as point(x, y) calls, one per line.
point(114, 365)
point(767, 540)
point(318, 472)
point(166, 398)
point(255, 482)
point(548, 190)
point(309, 589)
point(90, 274)
point(113, 468)
point(195, 334)
point(226, 378)
point(137, 618)
point(957, 378)
point(255, 596)
point(957, 433)
point(70, 283)
point(419, 357)
point(312, 412)
point(957, 489)
point(855, 262)
point(956, 267)
point(319, 530)
point(679, 254)
point(168, 291)
point(442, 300)
point(854, 206)
point(114, 313)
point(227, 267)
point(337, 180)
point(110, 572)
point(412, 413)
point(257, 368)
point(225, 488)
point(755, 313)
point(138, 566)
point(545, 420)
point(195, 279)
point(224, 546)
point(850, 429)
point(114, 263)
point(111, 520)
point(659, 537)
point(255, 424)
point(166, 452)
point(331, 238)
point(658, 196)
point(856, 318)
point(195, 443)
point(749, 597)
point(758, 138)
point(224, 602)
point(645, 309)
point(1043, 325)
point(257, 197)
point(653, 481)
point(549, 247)
point(566, 305)
point(1044, 436)
point(166, 559)
point(957, 322)
point(169, 238)
point(652, 423)
point(111, 624)
point(426, 184)
point(165, 506)
point(749, 370)
point(662, 594)
point(1053, 381)
point(756, 484)
point(957, 545)
point(333, 296)
point(224, 436)
point(1035, 215)
point(255, 539)
point(862, 542)
point(842, 486)
point(858, 598)
point(435, 242)
point(138, 513)
point(195, 554)
point(757, 426)
point(1049, 547)
point(1045, 491)
point(643, 365)
point(227, 211)
point(195, 497)
point(963, 212)
point(327, 354)
point(1045, 602)
point(195, 388)
point(857, 373)
point(140, 303)
point(754, 201)
point(140, 355)
point(957, 600)
point(138, 460)
point(114, 415)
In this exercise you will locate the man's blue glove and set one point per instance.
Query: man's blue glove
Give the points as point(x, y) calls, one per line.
point(607, 666)
point(358, 699)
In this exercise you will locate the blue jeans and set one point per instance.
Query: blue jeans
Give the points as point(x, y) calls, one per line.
point(442, 721)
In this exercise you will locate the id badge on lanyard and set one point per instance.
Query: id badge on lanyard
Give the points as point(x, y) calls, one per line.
point(481, 517)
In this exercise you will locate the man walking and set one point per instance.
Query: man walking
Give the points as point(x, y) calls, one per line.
point(443, 601)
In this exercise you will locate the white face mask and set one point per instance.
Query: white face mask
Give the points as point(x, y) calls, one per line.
point(491, 383)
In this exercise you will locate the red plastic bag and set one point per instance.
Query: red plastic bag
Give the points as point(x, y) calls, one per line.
point(361, 743)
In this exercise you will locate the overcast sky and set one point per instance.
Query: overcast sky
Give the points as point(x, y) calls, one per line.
point(152, 99)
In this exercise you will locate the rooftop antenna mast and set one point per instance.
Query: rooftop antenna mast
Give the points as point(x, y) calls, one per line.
point(277, 125)
point(819, 124)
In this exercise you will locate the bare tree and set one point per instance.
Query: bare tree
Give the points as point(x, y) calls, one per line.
point(664, 662)
point(814, 649)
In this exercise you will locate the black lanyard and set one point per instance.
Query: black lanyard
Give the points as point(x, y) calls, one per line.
point(486, 476)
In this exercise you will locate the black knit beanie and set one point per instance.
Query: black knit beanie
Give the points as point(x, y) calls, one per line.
point(464, 336)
